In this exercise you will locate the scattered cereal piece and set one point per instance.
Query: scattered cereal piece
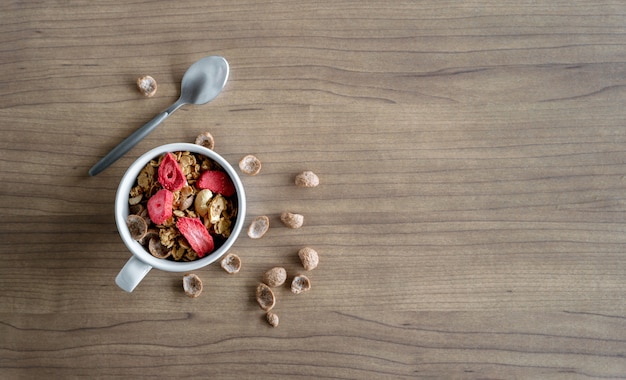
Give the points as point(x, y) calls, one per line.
point(307, 179)
point(292, 220)
point(265, 297)
point(196, 234)
point(275, 277)
point(300, 283)
point(160, 206)
point(192, 285)
point(250, 165)
point(171, 176)
point(272, 319)
point(217, 181)
point(259, 227)
point(231, 263)
point(206, 140)
point(137, 226)
point(309, 258)
point(147, 85)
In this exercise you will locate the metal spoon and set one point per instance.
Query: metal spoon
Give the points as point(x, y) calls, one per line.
point(202, 82)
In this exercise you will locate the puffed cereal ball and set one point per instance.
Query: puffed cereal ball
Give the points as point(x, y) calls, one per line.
point(265, 297)
point(192, 285)
point(147, 85)
point(250, 165)
point(275, 277)
point(309, 258)
point(258, 227)
point(231, 263)
point(300, 284)
point(292, 220)
point(206, 140)
point(272, 319)
point(137, 226)
point(307, 179)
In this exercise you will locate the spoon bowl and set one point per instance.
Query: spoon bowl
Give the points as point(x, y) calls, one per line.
point(201, 83)
point(204, 80)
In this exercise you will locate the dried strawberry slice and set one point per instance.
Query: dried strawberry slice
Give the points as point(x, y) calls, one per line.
point(216, 181)
point(196, 234)
point(160, 206)
point(171, 176)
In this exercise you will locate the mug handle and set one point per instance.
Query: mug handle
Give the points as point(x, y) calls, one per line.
point(131, 274)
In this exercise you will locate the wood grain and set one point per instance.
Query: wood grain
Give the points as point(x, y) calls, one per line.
point(470, 217)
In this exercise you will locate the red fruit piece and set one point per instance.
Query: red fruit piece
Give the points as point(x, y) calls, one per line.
point(216, 181)
point(171, 176)
point(160, 206)
point(196, 234)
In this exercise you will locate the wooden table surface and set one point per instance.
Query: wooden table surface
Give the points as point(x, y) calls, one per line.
point(470, 219)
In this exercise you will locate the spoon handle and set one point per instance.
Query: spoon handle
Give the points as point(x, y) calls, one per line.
point(127, 144)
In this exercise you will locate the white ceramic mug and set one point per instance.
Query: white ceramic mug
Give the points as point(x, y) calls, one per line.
point(141, 262)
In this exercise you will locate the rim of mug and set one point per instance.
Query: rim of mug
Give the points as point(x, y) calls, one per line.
point(122, 208)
